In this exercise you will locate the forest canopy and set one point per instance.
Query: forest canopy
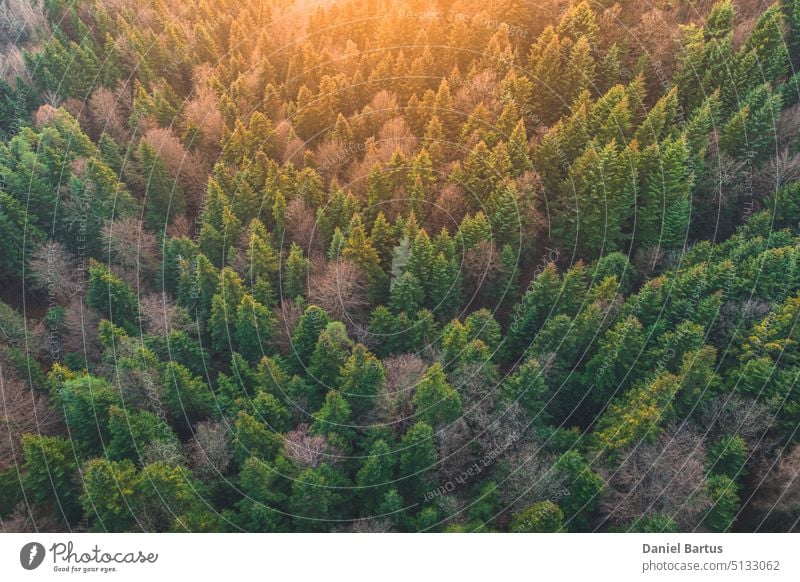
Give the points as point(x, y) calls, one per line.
point(399, 265)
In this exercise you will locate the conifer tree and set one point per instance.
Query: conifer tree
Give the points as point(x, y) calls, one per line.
point(295, 273)
point(417, 464)
point(255, 325)
point(374, 478)
point(330, 354)
point(435, 401)
point(362, 377)
point(407, 294)
point(164, 198)
point(112, 297)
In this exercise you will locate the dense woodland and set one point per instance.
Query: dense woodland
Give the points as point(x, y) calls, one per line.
point(399, 265)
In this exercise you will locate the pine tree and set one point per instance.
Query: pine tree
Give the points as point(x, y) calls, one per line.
point(545, 68)
point(305, 336)
point(435, 141)
point(420, 258)
point(378, 189)
point(362, 377)
point(637, 416)
point(18, 234)
point(358, 249)
point(663, 206)
point(375, 476)
point(406, 294)
point(132, 432)
point(420, 183)
point(528, 387)
point(579, 22)
point(518, 150)
point(592, 220)
point(435, 401)
point(444, 287)
point(50, 475)
point(725, 503)
point(386, 332)
point(580, 69)
point(108, 491)
point(445, 111)
point(541, 517)
point(719, 22)
point(474, 229)
point(584, 488)
point(255, 325)
point(482, 325)
point(188, 397)
point(751, 131)
point(224, 305)
point(315, 497)
point(295, 273)
point(330, 354)
point(262, 260)
point(112, 297)
point(505, 217)
point(164, 198)
point(533, 310)
point(333, 421)
point(417, 472)
point(86, 402)
point(617, 362)
point(383, 239)
point(660, 120)
point(767, 43)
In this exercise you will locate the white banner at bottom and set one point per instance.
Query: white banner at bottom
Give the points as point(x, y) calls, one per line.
point(401, 557)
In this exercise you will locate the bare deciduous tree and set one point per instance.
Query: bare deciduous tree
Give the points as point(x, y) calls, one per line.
point(201, 111)
point(371, 525)
point(22, 411)
point(284, 131)
point(22, 21)
point(480, 88)
point(12, 64)
point(287, 314)
point(396, 136)
point(181, 226)
point(788, 127)
point(332, 158)
point(778, 496)
point(54, 269)
point(393, 405)
point(532, 478)
point(31, 519)
point(300, 224)
point(295, 152)
point(449, 209)
point(666, 478)
point(455, 453)
point(381, 108)
point(161, 315)
point(44, 115)
point(107, 116)
point(80, 330)
point(305, 449)
point(340, 288)
point(134, 248)
point(482, 266)
point(780, 170)
point(163, 451)
point(186, 167)
point(210, 452)
point(728, 414)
